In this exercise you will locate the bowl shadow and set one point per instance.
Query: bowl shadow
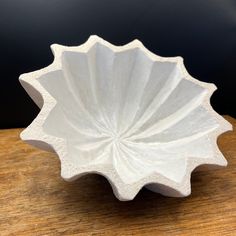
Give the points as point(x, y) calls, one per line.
point(93, 193)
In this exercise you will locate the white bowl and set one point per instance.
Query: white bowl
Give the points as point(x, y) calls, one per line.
point(122, 112)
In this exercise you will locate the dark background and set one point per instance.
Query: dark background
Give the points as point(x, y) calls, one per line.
point(203, 32)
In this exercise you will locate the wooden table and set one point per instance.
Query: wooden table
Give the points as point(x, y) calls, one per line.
point(34, 200)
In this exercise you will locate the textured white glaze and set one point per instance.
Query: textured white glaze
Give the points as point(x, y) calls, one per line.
point(122, 112)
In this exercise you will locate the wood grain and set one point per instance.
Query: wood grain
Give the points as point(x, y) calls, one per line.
point(34, 200)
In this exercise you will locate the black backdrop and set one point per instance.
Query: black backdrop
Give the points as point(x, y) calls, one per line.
point(202, 31)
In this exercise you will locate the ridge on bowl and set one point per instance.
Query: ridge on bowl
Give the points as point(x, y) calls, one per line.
point(120, 111)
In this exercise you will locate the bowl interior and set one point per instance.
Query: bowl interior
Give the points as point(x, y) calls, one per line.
point(126, 105)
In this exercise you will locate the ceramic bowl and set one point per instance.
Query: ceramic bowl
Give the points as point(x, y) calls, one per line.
point(124, 113)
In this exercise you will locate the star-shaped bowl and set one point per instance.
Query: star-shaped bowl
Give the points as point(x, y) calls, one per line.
point(122, 112)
